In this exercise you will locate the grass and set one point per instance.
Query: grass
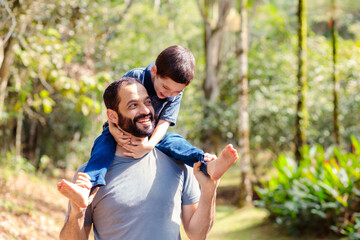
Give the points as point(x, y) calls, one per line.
point(248, 223)
point(32, 208)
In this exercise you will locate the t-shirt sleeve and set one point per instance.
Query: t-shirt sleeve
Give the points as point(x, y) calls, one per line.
point(191, 190)
point(88, 220)
point(171, 110)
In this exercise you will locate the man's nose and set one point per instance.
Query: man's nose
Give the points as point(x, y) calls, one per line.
point(145, 109)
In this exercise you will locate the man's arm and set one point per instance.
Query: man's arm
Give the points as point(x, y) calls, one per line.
point(74, 228)
point(198, 218)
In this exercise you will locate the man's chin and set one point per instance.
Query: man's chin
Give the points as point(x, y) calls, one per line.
point(144, 131)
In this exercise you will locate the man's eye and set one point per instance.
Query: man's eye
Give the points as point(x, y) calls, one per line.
point(132, 105)
point(148, 103)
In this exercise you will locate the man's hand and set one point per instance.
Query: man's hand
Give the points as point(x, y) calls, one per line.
point(137, 148)
point(207, 184)
point(121, 137)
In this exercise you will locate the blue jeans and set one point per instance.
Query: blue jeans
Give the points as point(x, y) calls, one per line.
point(103, 152)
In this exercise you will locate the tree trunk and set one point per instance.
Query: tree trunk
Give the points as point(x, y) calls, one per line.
point(335, 76)
point(244, 149)
point(301, 120)
point(5, 70)
point(213, 42)
point(19, 124)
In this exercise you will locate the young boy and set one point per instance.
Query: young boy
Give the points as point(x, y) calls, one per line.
point(164, 81)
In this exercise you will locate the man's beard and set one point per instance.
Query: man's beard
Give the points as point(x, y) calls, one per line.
point(129, 125)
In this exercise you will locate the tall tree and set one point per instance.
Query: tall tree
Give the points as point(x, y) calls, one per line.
point(336, 83)
point(244, 149)
point(301, 120)
point(213, 36)
point(7, 53)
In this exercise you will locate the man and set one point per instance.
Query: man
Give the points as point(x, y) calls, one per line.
point(144, 198)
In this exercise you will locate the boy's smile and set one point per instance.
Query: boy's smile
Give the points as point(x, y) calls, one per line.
point(166, 87)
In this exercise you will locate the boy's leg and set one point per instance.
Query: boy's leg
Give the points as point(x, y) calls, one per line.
point(226, 159)
point(177, 147)
point(102, 155)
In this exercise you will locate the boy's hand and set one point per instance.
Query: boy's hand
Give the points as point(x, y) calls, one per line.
point(120, 137)
point(137, 148)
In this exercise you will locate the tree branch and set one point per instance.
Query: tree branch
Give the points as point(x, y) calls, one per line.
point(13, 20)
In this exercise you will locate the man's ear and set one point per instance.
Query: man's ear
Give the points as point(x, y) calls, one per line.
point(153, 71)
point(112, 116)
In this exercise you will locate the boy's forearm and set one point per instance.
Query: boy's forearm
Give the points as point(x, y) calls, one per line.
point(159, 132)
point(74, 227)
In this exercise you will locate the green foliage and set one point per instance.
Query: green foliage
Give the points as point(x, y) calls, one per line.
point(15, 164)
point(67, 51)
point(320, 193)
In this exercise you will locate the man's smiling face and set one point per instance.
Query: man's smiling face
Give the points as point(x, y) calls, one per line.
point(135, 112)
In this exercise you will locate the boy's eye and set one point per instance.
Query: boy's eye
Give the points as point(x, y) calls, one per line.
point(165, 87)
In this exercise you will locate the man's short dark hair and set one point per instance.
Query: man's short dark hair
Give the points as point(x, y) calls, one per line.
point(177, 63)
point(111, 96)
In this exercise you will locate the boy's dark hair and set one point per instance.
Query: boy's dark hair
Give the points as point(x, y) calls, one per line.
point(111, 96)
point(177, 63)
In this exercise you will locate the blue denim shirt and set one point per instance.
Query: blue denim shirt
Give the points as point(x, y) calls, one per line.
point(165, 109)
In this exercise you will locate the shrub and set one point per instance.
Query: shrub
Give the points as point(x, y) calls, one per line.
point(321, 192)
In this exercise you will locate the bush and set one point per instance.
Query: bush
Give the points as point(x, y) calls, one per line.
point(320, 193)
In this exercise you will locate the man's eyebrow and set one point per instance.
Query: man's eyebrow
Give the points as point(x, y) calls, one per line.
point(135, 101)
point(131, 101)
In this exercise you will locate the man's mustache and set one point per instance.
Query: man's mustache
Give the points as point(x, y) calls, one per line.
point(150, 115)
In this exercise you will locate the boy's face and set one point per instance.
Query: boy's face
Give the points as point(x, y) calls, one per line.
point(166, 87)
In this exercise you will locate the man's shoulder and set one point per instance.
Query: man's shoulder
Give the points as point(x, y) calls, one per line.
point(82, 167)
point(157, 153)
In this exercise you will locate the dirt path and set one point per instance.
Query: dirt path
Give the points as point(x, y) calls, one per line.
point(30, 207)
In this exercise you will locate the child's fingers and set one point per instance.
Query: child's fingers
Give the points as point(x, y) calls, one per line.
point(122, 142)
point(128, 148)
point(128, 154)
point(136, 142)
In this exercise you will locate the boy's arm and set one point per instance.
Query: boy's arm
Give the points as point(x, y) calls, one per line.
point(74, 227)
point(198, 218)
point(159, 132)
point(137, 149)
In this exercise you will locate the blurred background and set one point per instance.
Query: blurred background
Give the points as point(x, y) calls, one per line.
point(279, 79)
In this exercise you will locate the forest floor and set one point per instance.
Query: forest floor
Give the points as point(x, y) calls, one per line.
point(31, 208)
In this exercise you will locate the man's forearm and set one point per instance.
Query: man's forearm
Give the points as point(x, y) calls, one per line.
point(74, 227)
point(204, 216)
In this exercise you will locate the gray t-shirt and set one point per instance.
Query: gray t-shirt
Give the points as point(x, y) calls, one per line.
point(142, 199)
